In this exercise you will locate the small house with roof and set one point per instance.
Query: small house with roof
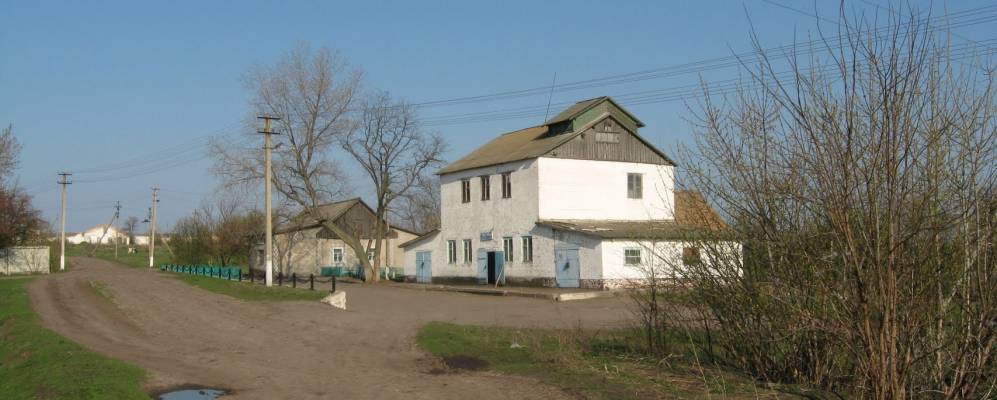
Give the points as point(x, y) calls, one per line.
point(304, 246)
point(575, 202)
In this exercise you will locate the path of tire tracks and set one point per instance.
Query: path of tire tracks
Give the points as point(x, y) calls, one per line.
point(183, 335)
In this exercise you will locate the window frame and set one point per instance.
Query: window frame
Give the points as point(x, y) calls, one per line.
point(467, 247)
point(691, 255)
point(635, 185)
point(465, 190)
point(370, 255)
point(342, 255)
point(527, 246)
point(627, 257)
point(451, 251)
point(507, 185)
point(509, 249)
point(486, 187)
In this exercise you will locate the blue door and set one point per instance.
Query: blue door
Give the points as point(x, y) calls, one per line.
point(566, 268)
point(491, 267)
point(482, 266)
point(424, 266)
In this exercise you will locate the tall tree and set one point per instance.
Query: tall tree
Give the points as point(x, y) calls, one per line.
point(315, 95)
point(394, 153)
point(419, 209)
point(9, 150)
point(20, 222)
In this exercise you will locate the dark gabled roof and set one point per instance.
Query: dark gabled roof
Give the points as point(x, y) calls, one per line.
point(329, 212)
point(534, 142)
point(420, 238)
point(693, 216)
point(585, 105)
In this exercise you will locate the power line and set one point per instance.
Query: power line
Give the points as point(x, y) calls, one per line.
point(676, 93)
point(973, 15)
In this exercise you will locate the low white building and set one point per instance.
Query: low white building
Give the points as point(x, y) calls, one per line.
point(580, 201)
point(100, 234)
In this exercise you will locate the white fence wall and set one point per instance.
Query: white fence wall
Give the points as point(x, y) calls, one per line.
point(24, 260)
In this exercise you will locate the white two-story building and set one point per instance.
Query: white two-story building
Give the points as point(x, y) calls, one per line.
point(580, 201)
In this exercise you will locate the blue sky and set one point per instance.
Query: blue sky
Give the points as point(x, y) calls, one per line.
point(92, 84)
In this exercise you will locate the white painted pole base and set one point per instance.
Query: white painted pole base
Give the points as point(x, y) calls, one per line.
point(62, 262)
point(269, 267)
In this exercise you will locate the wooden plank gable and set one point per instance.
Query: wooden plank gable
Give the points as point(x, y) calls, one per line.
point(608, 139)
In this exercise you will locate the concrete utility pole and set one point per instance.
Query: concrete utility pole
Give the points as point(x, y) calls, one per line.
point(62, 220)
point(117, 233)
point(152, 228)
point(268, 176)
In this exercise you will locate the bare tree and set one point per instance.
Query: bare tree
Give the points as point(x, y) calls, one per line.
point(419, 208)
point(861, 184)
point(222, 233)
point(10, 148)
point(314, 94)
point(394, 153)
point(20, 222)
point(129, 226)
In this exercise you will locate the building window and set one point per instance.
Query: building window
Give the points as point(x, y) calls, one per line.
point(506, 185)
point(451, 251)
point(507, 246)
point(465, 190)
point(486, 188)
point(370, 255)
point(467, 250)
point(527, 248)
point(337, 256)
point(690, 256)
point(631, 256)
point(635, 186)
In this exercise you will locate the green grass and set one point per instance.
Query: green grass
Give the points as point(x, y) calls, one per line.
point(139, 259)
point(240, 290)
point(247, 291)
point(36, 363)
point(605, 365)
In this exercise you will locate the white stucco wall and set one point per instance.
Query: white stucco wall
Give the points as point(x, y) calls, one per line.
point(664, 256)
point(96, 234)
point(513, 217)
point(597, 190)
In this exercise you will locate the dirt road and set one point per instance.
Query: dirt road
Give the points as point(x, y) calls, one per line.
point(272, 350)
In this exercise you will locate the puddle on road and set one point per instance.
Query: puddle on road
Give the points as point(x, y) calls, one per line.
point(192, 394)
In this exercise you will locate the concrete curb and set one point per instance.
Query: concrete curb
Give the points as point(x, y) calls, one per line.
point(513, 293)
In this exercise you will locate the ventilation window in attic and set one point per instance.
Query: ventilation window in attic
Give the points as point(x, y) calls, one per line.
point(606, 132)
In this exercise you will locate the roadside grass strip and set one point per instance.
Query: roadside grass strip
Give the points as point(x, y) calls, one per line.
point(36, 363)
point(600, 365)
point(249, 291)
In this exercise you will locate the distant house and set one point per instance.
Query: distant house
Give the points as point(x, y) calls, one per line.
point(143, 240)
point(100, 234)
point(579, 201)
point(304, 246)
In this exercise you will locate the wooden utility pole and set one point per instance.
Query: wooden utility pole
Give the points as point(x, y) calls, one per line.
point(268, 177)
point(62, 220)
point(152, 228)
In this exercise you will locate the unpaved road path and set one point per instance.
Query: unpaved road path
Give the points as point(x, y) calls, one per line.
point(183, 335)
